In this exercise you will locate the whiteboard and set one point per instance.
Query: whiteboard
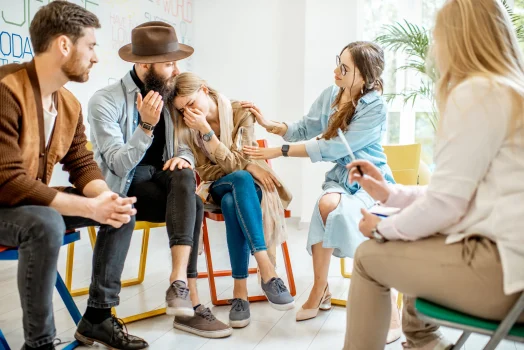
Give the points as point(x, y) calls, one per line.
point(117, 17)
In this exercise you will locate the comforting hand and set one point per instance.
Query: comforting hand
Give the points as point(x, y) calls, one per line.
point(368, 223)
point(176, 162)
point(109, 208)
point(373, 182)
point(269, 125)
point(264, 177)
point(150, 108)
point(262, 153)
point(196, 120)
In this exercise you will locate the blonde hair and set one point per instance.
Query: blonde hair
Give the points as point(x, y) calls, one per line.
point(477, 38)
point(186, 83)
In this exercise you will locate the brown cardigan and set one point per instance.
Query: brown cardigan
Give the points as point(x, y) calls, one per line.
point(26, 164)
point(225, 161)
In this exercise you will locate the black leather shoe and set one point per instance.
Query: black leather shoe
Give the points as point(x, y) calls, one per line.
point(111, 333)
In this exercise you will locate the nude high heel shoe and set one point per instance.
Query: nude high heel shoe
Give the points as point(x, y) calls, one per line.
point(325, 304)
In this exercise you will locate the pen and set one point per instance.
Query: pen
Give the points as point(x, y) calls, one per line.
point(351, 155)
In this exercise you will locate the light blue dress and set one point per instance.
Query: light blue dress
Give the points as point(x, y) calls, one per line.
point(364, 136)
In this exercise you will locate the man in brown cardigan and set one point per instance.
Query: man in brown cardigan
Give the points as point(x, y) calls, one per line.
point(40, 125)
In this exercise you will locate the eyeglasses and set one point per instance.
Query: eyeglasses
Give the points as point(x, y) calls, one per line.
point(343, 67)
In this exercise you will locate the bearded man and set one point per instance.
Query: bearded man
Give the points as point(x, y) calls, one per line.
point(134, 141)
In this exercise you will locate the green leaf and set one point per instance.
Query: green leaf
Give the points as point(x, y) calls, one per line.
point(516, 20)
point(407, 37)
point(414, 41)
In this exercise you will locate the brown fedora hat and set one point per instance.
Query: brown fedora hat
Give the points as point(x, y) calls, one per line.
point(154, 42)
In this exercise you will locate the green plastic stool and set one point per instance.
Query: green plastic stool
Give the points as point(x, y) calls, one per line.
point(507, 329)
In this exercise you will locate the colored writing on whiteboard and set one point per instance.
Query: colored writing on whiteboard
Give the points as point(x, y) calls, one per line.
point(182, 8)
point(21, 15)
point(14, 48)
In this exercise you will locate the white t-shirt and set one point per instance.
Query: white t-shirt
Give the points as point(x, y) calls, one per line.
point(49, 121)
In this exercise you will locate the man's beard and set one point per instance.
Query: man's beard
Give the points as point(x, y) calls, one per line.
point(154, 82)
point(73, 71)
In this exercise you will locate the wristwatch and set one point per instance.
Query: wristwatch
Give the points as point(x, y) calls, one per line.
point(207, 137)
point(147, 126)
point(377, 236)
point(285, 149)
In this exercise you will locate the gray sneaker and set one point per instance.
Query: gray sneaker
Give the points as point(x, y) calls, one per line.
point(277, 294)
point(204, 324)
point(178, 301)
point(239, 316)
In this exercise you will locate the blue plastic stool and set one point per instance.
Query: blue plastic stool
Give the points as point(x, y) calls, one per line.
point(12, 254)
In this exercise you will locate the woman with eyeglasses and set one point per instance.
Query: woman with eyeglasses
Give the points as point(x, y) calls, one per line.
point(355, 106)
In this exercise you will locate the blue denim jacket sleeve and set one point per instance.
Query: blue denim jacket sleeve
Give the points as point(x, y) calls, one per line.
point(183, 151)
point(121, 155)
point(311, 124)
point(366, 128)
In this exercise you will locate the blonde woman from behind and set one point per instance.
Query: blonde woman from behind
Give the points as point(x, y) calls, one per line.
point(459, 241)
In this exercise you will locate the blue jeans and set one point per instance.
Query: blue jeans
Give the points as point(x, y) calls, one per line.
point(239, 197)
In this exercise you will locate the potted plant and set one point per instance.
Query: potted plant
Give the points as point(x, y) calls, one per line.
point(414, 41)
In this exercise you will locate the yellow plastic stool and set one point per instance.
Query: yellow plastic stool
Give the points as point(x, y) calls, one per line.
point(140, 225)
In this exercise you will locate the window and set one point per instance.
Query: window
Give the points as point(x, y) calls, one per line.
point(393, 130)
point(407, 122)
point(519, 10)
point(425, 135)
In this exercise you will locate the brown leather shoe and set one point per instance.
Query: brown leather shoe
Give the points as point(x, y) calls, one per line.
point(203, 323)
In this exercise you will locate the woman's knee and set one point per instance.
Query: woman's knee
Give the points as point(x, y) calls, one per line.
point(242, 177)
point(228, 202)
point(328, 203)
point(366, 249)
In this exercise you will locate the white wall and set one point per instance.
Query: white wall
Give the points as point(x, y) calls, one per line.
point(281, 55)
point(254, 50)
point(330, 25)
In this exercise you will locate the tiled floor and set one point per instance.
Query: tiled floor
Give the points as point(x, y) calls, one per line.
point(269, 329)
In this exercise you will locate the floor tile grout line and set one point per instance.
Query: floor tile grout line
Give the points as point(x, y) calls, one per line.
point(157, 339)
point(264, 337)
point(207, 341)
point(323, 324)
